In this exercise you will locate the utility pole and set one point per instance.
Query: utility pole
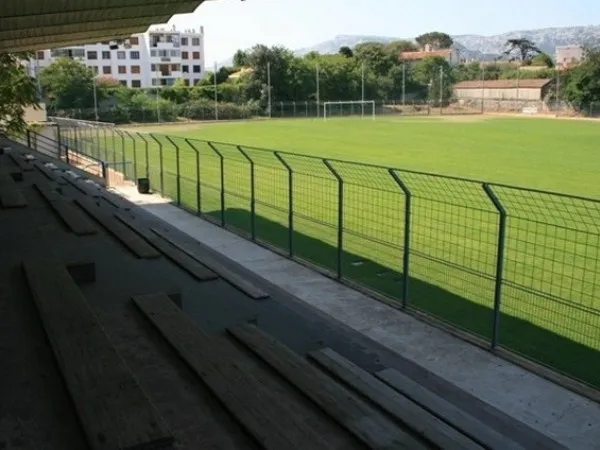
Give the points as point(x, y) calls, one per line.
point(482, 89)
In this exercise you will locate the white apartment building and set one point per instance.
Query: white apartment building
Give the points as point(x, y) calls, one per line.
point(158, 57)
point(569, 55)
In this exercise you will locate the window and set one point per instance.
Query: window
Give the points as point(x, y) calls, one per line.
point(123, 82)
point(135, 69)
point(121, 55)
point(185, 69)
point(196, 69)
point(175, 53)
point(163, 53)
point(40, 55)
point(94, 69)
point(184, 55)
point(195, 41)
point(92, 55)
point(106, 70)
point(196, 55)
point(122, 69)
point(134, 40)
point(136, 83)
point(153, 53)
point(186, 82)
point(184, 41)
point(134, 55)
point(175, 67)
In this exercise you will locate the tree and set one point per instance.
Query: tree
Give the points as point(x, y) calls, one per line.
point(542, 60)
point(240, 59)
point(435, 39)
point(17, 92)
point(68, 84)
point(582, 83)
point(376, 57)
point(346, 51)
point(435, 72)
point(524, 48)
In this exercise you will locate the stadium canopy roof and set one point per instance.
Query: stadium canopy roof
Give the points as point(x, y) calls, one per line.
point(41, 24)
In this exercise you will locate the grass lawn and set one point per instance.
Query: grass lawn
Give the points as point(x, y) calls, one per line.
point(550, 305)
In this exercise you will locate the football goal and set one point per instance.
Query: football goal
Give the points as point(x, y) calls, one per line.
point(360, 108)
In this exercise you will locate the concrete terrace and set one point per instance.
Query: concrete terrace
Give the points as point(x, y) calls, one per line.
point(143, 327)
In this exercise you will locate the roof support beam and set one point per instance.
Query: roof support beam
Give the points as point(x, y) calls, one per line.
point(152, 7)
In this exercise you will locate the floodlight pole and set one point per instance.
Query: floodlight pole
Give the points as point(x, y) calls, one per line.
point(403, 83)
point(216, 93)
point(95, 99)
point(269, 86)
point(318, 93)
point(362, 98)
point(441, 89)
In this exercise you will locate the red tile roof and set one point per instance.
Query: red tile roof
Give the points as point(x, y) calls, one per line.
point(416, 56)
point(504, 84)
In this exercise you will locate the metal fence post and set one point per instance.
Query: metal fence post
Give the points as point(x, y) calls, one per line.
point(406, 253)
point(340, 236)
point(290, 202)
point(160, 156)
point(28, 138)
point(177, 170)
point(134, 155)
point(114, 147)
point(499, 260)
point(58, 140)
point(252, 194)
point(198, 186)
point(222, 168)
point(123, 153)
point(105, 144)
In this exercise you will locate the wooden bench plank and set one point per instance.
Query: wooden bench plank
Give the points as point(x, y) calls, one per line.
point(231, 277)
point(113, 409)
point(20, 162)
point(422, 422)
point(72, 217)
point(48, 173)
point(367, 424)
point(82, 187)
point(268, 417)
point(10, 195)
point(448, 412)
point(191, 266)
point(138, 246)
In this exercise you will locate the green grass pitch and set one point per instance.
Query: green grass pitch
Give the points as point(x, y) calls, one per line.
point(550, 310)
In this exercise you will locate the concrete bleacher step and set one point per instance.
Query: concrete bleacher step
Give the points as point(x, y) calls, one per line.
point(231, 277)
point(400, 407)
point(368, 424)
point(74, 218)
point(191, 266)
point(10, 195)
point(270, 416)
point(138, 246)
point(114, 411)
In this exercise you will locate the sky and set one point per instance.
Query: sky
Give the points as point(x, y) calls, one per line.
point(233, 24)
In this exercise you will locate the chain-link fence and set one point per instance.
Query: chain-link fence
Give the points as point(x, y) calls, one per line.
point(519, 268)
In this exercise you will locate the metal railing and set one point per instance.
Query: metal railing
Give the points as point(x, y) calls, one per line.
point(517, 267)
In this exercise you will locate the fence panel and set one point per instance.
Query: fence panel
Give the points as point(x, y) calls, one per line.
point(454, 229)
point(551, 282)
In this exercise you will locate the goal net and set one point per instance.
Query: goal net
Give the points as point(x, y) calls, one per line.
point(361, 108)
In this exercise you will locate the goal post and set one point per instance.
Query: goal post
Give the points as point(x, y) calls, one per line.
point(362, 108)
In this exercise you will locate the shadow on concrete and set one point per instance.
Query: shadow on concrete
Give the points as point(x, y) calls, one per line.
point(520, 336)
